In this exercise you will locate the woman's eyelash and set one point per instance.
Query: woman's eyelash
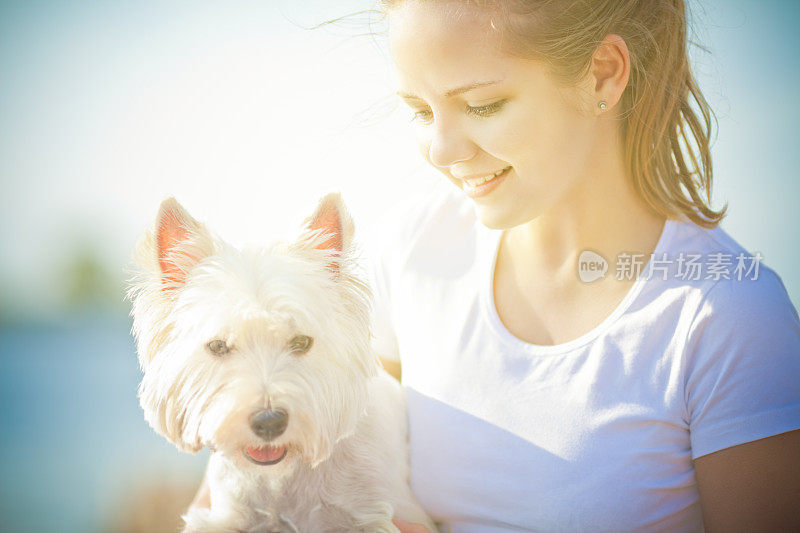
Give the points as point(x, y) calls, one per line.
point(486, 110)
point(425, 115)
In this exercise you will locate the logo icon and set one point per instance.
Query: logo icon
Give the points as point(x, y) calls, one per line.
point(591, 266)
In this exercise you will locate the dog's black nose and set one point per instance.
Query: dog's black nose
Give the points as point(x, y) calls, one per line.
point(269, 424)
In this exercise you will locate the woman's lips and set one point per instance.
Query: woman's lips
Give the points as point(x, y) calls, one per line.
point(485, 188)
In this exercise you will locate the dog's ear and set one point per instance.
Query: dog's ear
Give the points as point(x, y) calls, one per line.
point(164, 255)
point(332, 219)
point(180, 243)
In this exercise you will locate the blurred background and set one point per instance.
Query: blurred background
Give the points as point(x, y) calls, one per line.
point(247, 116)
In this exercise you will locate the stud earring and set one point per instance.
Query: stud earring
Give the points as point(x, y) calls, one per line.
point(602, 105)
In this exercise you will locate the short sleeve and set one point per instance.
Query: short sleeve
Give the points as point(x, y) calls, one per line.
point(742, 375)
point(384, 340)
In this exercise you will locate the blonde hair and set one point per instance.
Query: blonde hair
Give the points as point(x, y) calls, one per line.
point(666, 141)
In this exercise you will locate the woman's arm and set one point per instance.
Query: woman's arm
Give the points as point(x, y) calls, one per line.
point(391, 367)
point(752, 487)
point(203, 497)
point(394, 370)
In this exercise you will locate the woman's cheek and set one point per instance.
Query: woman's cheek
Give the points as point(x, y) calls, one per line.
point(514, 135)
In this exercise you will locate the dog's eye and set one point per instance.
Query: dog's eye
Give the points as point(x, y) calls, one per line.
point(301, 344)
point(218, 347)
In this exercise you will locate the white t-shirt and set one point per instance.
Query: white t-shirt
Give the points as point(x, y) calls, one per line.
point(595, 434)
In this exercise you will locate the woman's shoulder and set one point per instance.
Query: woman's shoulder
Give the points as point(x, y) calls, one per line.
point(739, 304)
point(741, 351)
point(438, 203)
point(730, 275)
point(430, 219)
point(689, 237)
point(715, 296)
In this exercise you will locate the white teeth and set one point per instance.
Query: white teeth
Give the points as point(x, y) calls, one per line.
point(474, 182)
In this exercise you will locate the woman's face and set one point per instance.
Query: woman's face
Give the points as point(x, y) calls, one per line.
point(480, 112)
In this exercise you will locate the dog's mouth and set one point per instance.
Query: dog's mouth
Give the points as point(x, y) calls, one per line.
point(265, 455)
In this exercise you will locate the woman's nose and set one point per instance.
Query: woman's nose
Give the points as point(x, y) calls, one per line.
point(449, 145)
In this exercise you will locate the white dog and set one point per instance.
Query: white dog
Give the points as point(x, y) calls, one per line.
point(264, 356)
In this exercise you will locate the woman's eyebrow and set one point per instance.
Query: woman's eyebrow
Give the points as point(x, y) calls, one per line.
point(453, 92)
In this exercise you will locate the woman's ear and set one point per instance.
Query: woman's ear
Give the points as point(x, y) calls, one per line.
point(609, 72)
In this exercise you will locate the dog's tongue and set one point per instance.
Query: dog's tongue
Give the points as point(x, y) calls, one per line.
point(264, 454)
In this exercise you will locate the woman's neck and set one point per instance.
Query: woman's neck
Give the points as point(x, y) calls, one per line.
point(601, 213)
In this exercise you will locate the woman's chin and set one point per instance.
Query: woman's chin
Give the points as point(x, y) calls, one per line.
point(494, 216)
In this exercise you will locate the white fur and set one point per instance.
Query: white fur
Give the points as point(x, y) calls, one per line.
point(346, 467)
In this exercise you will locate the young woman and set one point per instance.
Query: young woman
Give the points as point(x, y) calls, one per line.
point(583, 348)
point(542, 395)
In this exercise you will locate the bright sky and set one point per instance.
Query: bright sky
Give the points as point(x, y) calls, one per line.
point(245, 117)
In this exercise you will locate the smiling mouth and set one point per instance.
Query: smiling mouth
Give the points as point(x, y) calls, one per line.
point(477, 182)
point(265, 455)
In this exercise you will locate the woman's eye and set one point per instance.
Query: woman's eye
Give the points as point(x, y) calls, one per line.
point(486, 110)
point(218, 347)
point(423, 115)
point(300, 344)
